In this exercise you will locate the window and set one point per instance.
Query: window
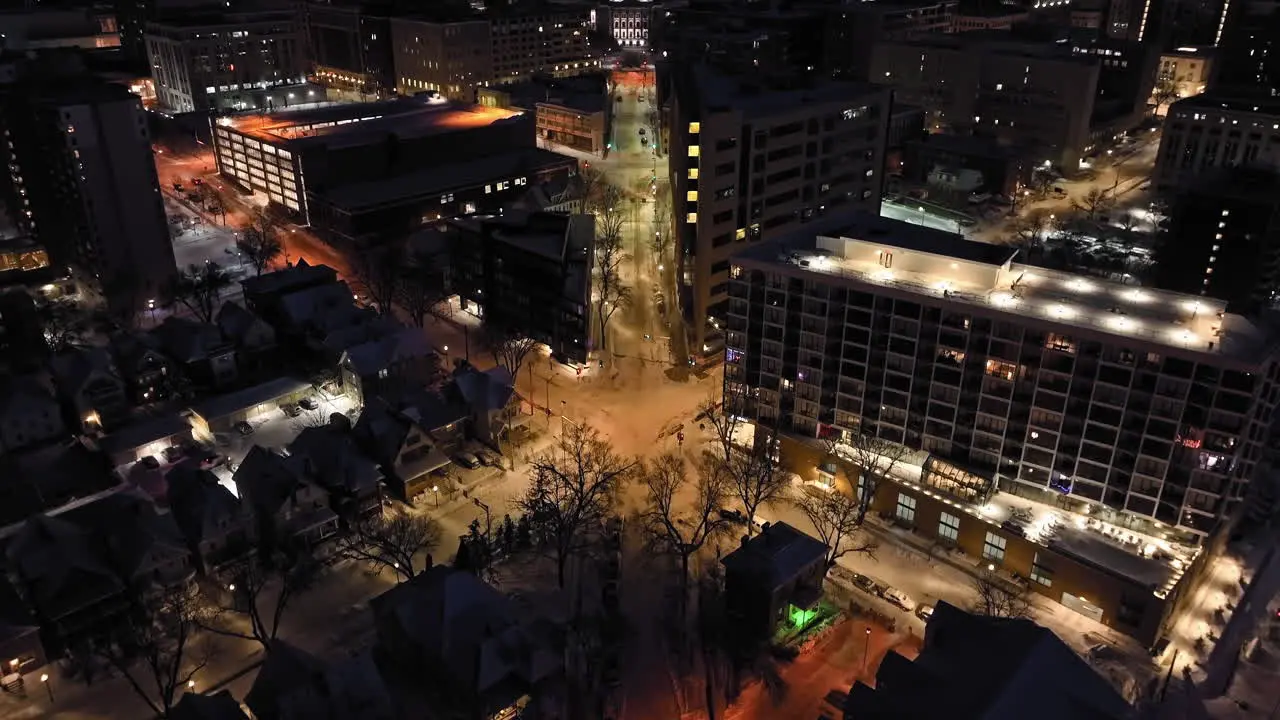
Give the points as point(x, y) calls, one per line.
point(691, 218)
point(993, 548)
point(691, 196)
point(949, 527)
point(1041, 573)
point(906, 508)
point(694, 151)
point(693, 173)
point(695, 127)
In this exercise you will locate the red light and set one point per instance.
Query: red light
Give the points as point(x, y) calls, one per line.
point(232, 67)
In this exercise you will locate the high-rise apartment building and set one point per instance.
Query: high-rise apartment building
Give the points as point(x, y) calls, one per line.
point(751, 159)
point(1247, 63)
point(1150, 407)
point(82, 181)
point(350, 48)
point(1224, 239)
point(228, 61)
point(452, 54)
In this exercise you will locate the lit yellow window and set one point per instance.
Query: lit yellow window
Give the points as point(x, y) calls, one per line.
point(694, 151)
point(692, 195)
point(740, 234)
point(695, 127)
point(691, 218)
point(693, 173)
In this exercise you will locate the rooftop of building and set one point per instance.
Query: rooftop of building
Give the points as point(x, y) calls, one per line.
point(552, 235)
point(415, 116)
point(1214, 101)
point(755, 95)
point(937, 264)
point(1022, 43)
point(363, 196)
point(584, 93)
point(780, 553)
point(197, 18)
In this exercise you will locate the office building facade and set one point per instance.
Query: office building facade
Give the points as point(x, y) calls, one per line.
point(350, 48)
point(1151, 407)
point(750, 161)
point(627, 22)
point(81, 181)
point(455, 55)
point(1248, 57)
point(228, 61)
point(1208, 132)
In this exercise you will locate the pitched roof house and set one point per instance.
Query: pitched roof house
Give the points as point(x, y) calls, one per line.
point(287, 507)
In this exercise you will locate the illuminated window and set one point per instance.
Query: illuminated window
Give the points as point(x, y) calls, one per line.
point(993, 547)
point(740, 234)
point(691, 218)
point(692, 196)
point(694, 151)
point(695, 127)
point(693, 173)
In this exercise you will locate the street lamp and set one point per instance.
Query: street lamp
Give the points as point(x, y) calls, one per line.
point(44, 680)
point(866, 650)
point(191, 686)
point(436, 489)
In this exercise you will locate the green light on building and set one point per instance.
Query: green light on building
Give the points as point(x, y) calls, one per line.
point(801, 617)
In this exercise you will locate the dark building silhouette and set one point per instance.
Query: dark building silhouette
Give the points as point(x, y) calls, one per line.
point(1248, 59)
point(1224, 239)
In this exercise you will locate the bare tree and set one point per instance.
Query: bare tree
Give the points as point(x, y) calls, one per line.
point(422, 285)
point(1165, 92)
point(1094, 203)
point(393, 542)
point(378, 273)
point(574, 490)
point(259, 597)
point(724, 423)
point(612, 294)
point(199, 289)
point(259, 242)
point(160, 651)
point(756, 479)
point(64, 324)
point(866, 460)
point(680, 528)
point(834, 516)
point(997, 598)
point(509, 348)
point(1027, 232)
point(590, 184)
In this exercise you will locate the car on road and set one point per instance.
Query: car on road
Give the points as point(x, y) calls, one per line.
point(467, 460)
point(244, 428)
point(864, 583)
point(291, 410)
point(899, 598)
point(924, 612)
point(308, 403)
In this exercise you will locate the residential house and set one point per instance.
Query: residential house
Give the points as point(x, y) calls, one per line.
point(315, 312)
point(41, 479)
point(403, 447)
point(490, 399)
point(29, 412)
point(221, 705)
point(775, 576)
point(91, 387)
point(263, 294)
point(330, 456)
point(81, 568)
point(397, 360)
point(206, 357)
point(149, 374)
point(289, 510)
point(21, 650)
point(294, 685)
point(253, 338)
point(216, 527)
point(475, 651)
point(1026, 671)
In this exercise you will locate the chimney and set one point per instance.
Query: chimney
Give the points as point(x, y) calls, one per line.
point(764, 529)
point(745, 540)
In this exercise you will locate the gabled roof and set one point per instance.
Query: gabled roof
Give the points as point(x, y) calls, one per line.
point(221, 705)
point(329, 455)
point(780, 553)
point(483, 390)
point(381, 430)
point(61, 566)
point(372, 357)
point(286, 685)
point(432, 409)
point(265, 480)
point(187, 340)
point(348, 336)
point(235, 321)
point(299, 276)
point(73, 367)
point(200, 504)
point(323, 306)
point(1026, 672)
point(134, 533)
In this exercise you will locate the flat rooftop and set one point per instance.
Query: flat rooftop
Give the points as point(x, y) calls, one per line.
point(587, 93)
point(755, 96)
point(407, 117)
point(944, 266)
point(1262, 106)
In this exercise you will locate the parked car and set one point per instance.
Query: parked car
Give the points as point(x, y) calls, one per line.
point(244, 428)
point(291, 410)
point(174, 453)
point(899, 598)
point(924, 612)
point(309, 403)
point(863, 582)
point(467, 460)
point(487, 458)
point(734, 516)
